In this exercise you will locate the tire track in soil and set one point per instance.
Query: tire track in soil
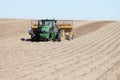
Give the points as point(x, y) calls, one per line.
point(93, 58)
point(49, 67)
point(53, 57)
point(65, 54)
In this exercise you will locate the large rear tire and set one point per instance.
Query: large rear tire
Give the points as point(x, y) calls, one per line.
point(34, 38)
point(61, 35)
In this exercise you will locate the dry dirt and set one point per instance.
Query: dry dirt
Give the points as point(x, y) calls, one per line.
point(93, 55)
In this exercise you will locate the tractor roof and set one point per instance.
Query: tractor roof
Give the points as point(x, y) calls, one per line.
point(48, 20)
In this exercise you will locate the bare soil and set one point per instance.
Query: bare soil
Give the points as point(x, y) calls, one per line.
point(93, 55)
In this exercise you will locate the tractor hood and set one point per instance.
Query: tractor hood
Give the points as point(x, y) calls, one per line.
point(45, 32)
point(45, 29)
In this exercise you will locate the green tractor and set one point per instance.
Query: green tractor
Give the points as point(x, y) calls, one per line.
point(47, 30)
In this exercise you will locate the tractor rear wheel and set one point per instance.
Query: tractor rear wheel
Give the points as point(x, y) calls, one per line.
point(34, 38)
point(61, 35)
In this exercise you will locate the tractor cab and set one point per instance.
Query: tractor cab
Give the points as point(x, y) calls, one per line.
point(48, 29)
point(48, 23)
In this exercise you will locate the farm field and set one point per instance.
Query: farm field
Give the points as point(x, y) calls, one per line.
point(94, 54)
